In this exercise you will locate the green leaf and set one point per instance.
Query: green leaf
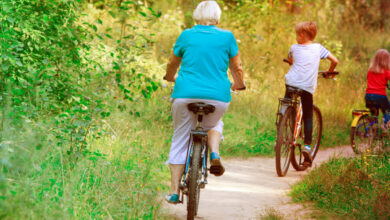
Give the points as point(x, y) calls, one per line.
point(18, 91)
point(100, 21)
point(112, 14)
point(4, 67)
point(11, 19)
point(6, 8)
point(142, 13)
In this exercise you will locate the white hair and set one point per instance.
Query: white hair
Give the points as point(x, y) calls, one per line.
point(207, 13)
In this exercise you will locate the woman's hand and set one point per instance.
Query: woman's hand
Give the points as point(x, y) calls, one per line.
point(235, 87)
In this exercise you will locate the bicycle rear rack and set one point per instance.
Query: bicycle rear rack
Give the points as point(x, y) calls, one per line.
point(286, 102)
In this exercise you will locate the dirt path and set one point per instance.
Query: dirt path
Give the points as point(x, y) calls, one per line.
point(250, 186)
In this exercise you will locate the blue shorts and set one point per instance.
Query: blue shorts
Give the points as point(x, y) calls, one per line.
point(375, 102)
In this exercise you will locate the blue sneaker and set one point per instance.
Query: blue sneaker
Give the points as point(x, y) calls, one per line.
point(216, 167)
point(307, 155)
point(173, 199)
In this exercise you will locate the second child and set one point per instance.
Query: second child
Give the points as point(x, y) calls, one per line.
point(304, 59)
point(377, 77)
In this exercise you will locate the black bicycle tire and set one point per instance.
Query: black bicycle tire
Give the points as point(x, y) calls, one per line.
point(354, 133)
point(193, 185)
point(316, 111)
point(288, 115)
point(316, 117)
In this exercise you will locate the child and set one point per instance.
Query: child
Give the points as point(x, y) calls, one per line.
point(377, 77)
point(304, 59)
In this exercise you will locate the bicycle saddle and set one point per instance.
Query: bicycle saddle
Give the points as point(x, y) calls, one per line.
point(200, 107)
point(292, 89)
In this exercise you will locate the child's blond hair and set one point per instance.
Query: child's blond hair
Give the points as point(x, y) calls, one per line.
point(380, 62)
point(307, 28)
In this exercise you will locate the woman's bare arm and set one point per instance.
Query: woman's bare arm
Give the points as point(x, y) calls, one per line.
point(235, 67)
point(173, 64)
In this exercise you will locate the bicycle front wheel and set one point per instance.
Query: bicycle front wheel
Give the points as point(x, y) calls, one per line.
point(362, 135)
point(284, 142)
point(194, 181)
point(297, 156)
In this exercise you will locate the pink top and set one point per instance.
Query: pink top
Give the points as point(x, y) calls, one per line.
point(376, 82)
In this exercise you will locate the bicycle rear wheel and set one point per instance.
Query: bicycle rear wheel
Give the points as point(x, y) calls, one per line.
point(362, 135)
point(297, 156)
point(193, 181)
point(284, 142)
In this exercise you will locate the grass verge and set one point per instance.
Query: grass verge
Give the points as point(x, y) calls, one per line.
point(349, 187)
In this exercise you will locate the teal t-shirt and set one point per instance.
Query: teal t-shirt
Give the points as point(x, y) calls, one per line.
point(205, 53)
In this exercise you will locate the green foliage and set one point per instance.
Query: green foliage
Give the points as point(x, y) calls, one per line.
point(357, 187)
point(56, 94)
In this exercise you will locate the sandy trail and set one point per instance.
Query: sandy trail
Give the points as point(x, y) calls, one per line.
point(250, 186)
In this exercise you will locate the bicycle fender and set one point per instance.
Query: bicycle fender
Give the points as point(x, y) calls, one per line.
point(356, 119)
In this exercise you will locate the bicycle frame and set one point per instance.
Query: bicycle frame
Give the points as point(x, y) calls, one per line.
point(298, 124)
point(298, 120)
point(357, 114)
point(370, 131)
point(197, 135)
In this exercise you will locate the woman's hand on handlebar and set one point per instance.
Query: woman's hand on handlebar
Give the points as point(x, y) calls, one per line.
point(169, 79)
point(237, 86)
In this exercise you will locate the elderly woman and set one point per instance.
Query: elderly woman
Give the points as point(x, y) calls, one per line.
point(205, 52)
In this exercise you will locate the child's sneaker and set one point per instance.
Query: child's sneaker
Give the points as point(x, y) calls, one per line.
point(307, 155)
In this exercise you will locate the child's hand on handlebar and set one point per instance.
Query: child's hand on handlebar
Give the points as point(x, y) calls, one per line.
point(329, 74)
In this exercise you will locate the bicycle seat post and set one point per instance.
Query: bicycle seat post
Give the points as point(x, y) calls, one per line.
point(200, 119)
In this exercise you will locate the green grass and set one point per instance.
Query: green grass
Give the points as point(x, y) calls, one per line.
point(121, 176)
point(354, 187)
point(271, 214)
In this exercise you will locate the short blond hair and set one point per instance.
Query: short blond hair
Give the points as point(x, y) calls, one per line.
point(207, 13)
point(380, 62)
point(308, 28)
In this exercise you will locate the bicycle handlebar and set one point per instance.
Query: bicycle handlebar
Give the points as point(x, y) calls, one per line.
point(242, 89)
point(328, 75)
point(325, 74)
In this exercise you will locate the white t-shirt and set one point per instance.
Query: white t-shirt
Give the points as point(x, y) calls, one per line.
point(304, 71)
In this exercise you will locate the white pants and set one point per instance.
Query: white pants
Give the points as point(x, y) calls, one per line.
point(184, 121)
